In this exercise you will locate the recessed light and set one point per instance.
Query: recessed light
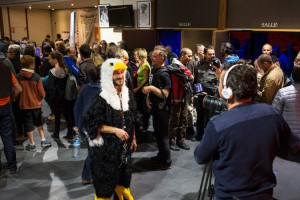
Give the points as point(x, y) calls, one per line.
point(29, 7)
point(52, 8)
point(95, 6)
point(49, 6)
point(72, 4)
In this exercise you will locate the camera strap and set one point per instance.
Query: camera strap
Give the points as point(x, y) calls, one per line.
point(164, 103)
point(163, 94)
point(125, 154)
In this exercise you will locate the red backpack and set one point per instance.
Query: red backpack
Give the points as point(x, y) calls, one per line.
point(181, 85)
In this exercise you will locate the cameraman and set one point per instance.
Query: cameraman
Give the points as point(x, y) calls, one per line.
point(244, 141)
point(205, 74)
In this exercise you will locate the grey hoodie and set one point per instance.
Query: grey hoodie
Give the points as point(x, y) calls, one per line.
point(58, 72)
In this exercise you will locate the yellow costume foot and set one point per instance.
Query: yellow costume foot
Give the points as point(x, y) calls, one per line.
point(101, 198)
point(120, 190)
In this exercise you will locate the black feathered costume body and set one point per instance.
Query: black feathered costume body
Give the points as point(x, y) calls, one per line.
point(108, 167)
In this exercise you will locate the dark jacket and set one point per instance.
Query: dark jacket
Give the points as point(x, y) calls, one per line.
point(45, 66)
point(17, 64)
point(7, 62)
point(83, 102)
point(56, 83)
point(83, 77)
point(5, 81)
point(243, 143)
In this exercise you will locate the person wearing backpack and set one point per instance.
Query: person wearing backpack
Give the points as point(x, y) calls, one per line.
point(56, 86)
point(179, 105)
point(156, 93)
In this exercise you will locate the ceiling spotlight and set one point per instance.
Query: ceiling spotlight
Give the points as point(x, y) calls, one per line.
point(95, 6)
point(29, 7)
point(49, 6)
point(52, 8)
point(72, 4)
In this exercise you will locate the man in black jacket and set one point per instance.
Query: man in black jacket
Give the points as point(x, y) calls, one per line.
point(85, 65)
point(205, 75)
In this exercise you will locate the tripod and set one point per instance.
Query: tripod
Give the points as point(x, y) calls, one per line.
point(206, 176)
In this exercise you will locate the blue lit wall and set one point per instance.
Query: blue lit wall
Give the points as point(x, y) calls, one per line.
point(172, 38)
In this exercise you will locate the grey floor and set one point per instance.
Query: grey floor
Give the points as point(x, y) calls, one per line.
point(53, 174)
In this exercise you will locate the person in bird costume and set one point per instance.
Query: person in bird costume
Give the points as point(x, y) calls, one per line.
point(110, 123)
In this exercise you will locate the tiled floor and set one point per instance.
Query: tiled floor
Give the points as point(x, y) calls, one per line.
point(53, 174)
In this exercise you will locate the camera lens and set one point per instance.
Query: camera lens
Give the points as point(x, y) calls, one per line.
point(215, 104)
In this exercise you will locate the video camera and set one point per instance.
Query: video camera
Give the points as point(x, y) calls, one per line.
point(206, 95)
point(209, 85)
point(215, 62)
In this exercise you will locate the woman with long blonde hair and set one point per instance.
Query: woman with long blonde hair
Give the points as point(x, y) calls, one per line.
point(143, 74)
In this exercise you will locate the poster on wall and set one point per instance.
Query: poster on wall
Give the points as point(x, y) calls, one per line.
point(144, 14)
point(103, 16)
point(86, 20)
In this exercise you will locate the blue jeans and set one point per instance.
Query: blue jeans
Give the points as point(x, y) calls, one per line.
point(86, 172)
point(6, 136)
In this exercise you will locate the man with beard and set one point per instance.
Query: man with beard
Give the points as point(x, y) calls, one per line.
point(205, 74)
point(110, 123)
point(179, 106)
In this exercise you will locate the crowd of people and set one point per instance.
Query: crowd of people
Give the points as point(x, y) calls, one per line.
point(110, 93)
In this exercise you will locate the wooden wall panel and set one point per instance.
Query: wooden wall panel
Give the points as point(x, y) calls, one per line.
point(187, 14)
point(263, 14)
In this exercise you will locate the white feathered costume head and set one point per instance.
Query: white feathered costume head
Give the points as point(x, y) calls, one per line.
point(109, 93)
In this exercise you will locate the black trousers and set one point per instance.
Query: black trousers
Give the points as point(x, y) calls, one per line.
point(58, 106)
point(160, 125)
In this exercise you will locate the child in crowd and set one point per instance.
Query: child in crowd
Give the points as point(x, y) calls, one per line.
point(30, 101)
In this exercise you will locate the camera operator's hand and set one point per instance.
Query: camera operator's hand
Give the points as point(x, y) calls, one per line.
point(218, 71)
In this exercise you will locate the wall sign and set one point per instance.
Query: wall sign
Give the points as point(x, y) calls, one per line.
point(257, 14)
point(187, 14)
point(184, 24)
point(269, 25)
